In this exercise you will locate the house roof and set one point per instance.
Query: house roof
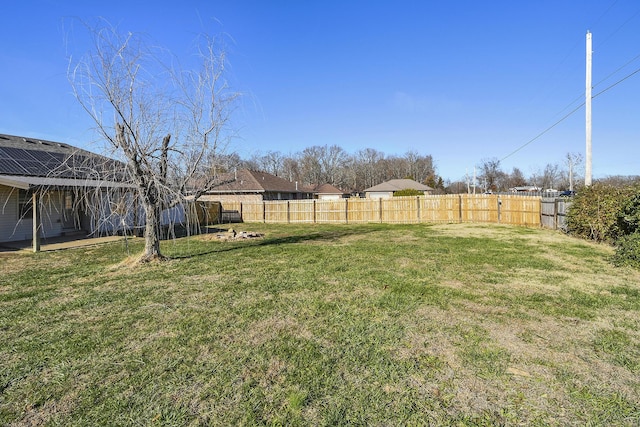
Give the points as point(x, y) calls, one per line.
point(24, 159)
point(397, 185)
point(327, 189)
point(249, 181)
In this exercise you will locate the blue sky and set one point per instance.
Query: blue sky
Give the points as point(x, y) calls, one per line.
point(460, 80)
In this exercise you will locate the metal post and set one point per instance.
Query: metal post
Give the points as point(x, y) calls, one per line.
point(36, 221)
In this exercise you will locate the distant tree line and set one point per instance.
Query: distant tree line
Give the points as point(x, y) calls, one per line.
point(368, 167)
point(489, 176)
point(332, 164)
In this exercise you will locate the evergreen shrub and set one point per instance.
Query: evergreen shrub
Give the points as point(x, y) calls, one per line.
point(595, 211)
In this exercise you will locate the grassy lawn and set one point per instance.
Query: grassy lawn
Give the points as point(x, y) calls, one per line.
point(324, 325)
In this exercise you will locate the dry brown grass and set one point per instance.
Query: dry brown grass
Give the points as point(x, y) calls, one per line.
point(453, 324)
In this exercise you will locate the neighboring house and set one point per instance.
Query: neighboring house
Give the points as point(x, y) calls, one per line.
point(328, 192)
point(386, 189)
point(68, 187)
point(525, 189)
point(246, 185)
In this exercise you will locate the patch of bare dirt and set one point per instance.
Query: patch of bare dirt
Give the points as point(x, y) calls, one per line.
point(231, 234)
point(540, 349)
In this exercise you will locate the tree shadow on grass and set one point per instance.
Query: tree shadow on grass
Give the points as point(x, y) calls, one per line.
point(326, 236)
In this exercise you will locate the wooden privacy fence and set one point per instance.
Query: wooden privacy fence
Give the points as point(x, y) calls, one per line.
point(553, 212)
point(505, 209)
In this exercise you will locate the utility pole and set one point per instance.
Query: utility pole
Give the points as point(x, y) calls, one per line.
point(466, 176)
point(587, 104)
point(474, 180)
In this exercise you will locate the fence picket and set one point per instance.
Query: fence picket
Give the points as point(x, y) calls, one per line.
point(480, 208)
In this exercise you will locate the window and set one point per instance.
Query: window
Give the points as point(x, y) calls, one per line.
point(25, 204)
point(68, 200)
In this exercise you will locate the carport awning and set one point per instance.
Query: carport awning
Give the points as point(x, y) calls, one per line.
point(29, 182)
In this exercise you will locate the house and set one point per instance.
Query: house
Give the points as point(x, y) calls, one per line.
point(245, 185)
point(525, 189)
point(386, 189)
point(328, 192)
point(50, 189)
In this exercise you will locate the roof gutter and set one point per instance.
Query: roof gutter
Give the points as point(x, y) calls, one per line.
point(14, 184)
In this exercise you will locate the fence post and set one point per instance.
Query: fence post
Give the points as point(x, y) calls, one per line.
point(541, 213)
point(460, 208)
point(241, 217)
point(418, 208)
point(346, 211)
point(499, 209)
point(288, 212)
point(264, 211)
point(314, 211)
point(380, 208)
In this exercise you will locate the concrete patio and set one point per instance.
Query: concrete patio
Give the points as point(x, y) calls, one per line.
point(59, 243)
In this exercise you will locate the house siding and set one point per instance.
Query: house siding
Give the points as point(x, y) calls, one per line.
point(9, 230)
point(330, 196)
point(13, 228)
point(379, 194)
point(52, 204)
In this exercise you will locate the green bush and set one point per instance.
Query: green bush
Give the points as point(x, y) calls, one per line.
point(628, 251)
point(605, 213)
point(408, 192)
point(595, 212)
point(629, 215)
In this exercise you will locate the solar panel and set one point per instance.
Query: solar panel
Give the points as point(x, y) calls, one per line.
point(10, 167)
point(17, 153)
point(51, 165)
point(28, 155)
point(4, 154)
point(42, 156)
point(35, 159)
point(57, 157)
point(33, 167)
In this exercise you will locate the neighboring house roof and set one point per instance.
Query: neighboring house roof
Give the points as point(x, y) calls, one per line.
point(525, 188)
point(249, 181)
point(327, 189)
point(27, 162)
point(397, 185)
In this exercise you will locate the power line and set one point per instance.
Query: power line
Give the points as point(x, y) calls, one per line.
point(542, 133)
point(619, 68)
point(620, 27)
point(569, 114)
point(618, 82)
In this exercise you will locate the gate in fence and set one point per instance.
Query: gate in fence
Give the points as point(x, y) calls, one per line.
point(554, 212)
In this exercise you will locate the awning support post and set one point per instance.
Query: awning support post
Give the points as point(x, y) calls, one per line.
point(36, 221)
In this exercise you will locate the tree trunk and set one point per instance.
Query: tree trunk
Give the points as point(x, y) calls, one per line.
point(152, 233)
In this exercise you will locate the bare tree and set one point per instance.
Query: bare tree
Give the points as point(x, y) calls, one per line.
point(490, 174)
point(573, 161)
point(165, 122)
point(367, 164)
point(333, 161)
point(550, 176)
point(291, 169)
point(516, 178)
point(270, 162)
point(423, 171)
point(310, 167)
